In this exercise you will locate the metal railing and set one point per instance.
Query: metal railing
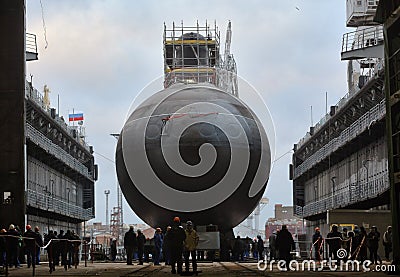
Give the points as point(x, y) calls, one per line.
point(360, 125)
point(51, 203)
point(347, 195)
point(41, 140)
point(31, 45)
point(34, 95)
point(362, 39)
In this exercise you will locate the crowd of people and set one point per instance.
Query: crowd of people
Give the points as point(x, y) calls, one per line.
point(174, 246)
point(15, 244)
point(356, 242)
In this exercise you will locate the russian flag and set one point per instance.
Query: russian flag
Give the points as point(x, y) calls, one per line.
point(75, 116)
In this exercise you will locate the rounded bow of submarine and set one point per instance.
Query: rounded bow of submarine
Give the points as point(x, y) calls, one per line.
point(195, 152)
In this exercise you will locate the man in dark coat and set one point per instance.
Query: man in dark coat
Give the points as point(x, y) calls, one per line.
point(334, 240)
point(141, 240)
point(373, 244)
point(130, 243)
point(166, 247)
point(272, 246)
point(2, 247)
point(176, 237)
point(12, 244)
point(51, 236)
point(30, 246)
point(39, 243)
point(113, 249)
point(260, 247)
point(238, 249)
point(285, 244)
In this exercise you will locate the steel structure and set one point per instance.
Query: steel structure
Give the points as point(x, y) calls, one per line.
point(47, 168)
point(210, 67)
point(388, 13)
point(342, 162)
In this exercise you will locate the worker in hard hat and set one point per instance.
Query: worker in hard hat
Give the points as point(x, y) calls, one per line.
point(191, 242)
point(317, 243)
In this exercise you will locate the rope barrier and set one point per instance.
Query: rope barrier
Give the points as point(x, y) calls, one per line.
point(44, 247)
point(350, 239)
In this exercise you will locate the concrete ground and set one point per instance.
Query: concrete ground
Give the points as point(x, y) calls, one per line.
point(110, 269)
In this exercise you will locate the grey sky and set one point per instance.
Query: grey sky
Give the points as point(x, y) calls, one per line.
point(100, 54)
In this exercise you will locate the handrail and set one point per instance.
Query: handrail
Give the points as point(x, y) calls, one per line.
point(34, 95)
point(348, 194)
point(361, 124)
point(31, 45)
point(39, 139)
point(362, 39)
point(54, 204)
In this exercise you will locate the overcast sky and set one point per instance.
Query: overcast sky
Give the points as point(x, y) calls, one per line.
point(101, 54)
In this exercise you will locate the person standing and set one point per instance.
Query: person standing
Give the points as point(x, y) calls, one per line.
point(141, 240)
point(176, 238)
point(12, 244)
point(158, 242)
point(30, 247)
point(285, 244)
point(75, 243)
point(260, 247)
point(363, 244)
point(254, 250)
point(39, 243)
point(373, 244)
point(130, 243)
point(191, 242)
point(272, 246)
point(51, 236)
point(317, 243)
point(166, 247)
point(387, 242)
point(113, 249)
point(70, 248)
point(238, 249)
point(334, 240)
point(345, 240)
point(2, 248)
point(57, 248)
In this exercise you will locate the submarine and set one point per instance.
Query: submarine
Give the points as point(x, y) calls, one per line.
point(194, 149)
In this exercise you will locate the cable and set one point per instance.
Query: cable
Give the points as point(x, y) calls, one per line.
point(44, 25)
point(283, 155)
point(104, 157)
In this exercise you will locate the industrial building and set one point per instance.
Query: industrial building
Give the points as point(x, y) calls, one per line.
point(340, 168)
point(46, 167)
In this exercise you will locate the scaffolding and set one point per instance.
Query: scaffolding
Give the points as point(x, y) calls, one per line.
point(192, 55)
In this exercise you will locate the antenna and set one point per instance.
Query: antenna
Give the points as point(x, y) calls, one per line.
point(311, 117)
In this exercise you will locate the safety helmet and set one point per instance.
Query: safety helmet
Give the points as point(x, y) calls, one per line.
point(177, 219)
point(28, 227)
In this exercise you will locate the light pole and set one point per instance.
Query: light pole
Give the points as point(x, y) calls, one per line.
point(107, 192)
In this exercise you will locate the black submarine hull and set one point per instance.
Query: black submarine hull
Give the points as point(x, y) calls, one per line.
point(195, 152)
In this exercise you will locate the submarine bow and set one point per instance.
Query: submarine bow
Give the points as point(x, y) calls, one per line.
point(194, 151)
